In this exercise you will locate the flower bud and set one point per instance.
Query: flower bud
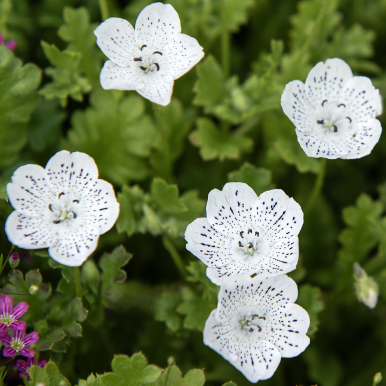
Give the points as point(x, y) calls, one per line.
point(171, 361)
point(14, 260)
point(33, 289)
point(366, 288)
point(377, 378)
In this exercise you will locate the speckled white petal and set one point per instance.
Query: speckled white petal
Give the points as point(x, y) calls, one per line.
point(28, 193)
point(182, 53)
point(29, 232)
point(114, 77)
point(158, 90)
point(263, 294)
point(278, 215)
point(317, 146)
point(326, 81)
point(219, 336)
point(211, 247)
point(361, 98)
point(361, 140)
point(230, 211)
point(99, 207)
point(296, 105)
point(116, 39)
point(290, 324)
point(156, 24)
point(67, 172)
point(72, 248)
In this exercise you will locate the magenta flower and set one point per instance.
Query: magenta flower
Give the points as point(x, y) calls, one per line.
point(11, 44)
point(9, 316)
point(19, 343)
point(25, 367)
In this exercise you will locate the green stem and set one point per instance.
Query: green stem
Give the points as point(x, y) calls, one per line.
point(164, 149)
point(225, 41)
point(104, 9)
point(78, 286)
point(6, 260)
point(317, 187)
point(175, 256)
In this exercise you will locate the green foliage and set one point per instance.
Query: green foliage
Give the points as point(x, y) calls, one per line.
point(3, 191)
point(120, 126)
point(310, 298)
point(79, 33)
point(18, 100)
point(165, 311)
point(259, 179)
point(214, 143)
point(131, 371)
point(67, 80)
point(172, 376)
point(161, 211)
point(49, 376)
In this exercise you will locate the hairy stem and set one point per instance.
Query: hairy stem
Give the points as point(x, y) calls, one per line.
point(78, 286)
point(6, 260)
point(104, 9)
point(164, 149)
point(317, 187)
point(175, 256)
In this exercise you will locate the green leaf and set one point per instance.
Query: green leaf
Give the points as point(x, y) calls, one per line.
point(91, 381)
point(197, 271)
point(310, 298)
point(172, 376)
point(209, 87)
point(216, 144)
point(364, 230)
point(196, 309)
point(67, 80)
point(132, 371)
point(120, 127)
point(166, 197)
point(18, 100)
point(293, 154)
point(236, 13)
point(79, 33)
point(259, 179)
point(49, 376)
point(3, 191)
point(91, 276)
point(165, 310)
point(112, 274)
point(44, 130)
point(230, 383)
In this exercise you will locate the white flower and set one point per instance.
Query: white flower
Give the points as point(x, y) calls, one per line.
point(334, 112)
point(64, 207)
point(256, 323)
point(149, 58)
point(244, 234)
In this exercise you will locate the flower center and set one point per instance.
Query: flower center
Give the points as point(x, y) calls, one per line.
point(148, 62)
point(6, 319)
point(248, 241)
point(63, 209)
point(252, 323)
point(17, 344)
point(332, 117)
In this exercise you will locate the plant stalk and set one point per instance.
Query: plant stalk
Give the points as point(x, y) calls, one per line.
point(317, 187)
point(175, 256)
point(225, 41)
point(78, 286)
point(104, 9)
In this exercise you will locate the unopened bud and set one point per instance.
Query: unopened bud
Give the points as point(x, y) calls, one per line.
point(366, 288)
point(33, 289)
point(14, 260)
point(171, 361)
point(377, 379)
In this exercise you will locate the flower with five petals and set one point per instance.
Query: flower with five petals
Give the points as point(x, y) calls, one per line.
point(334, 112)
point(64, 207)
point(18, 343)
point(244, 234)
point(150, 57)
point(256, 323)
point(9, 315)
point(25, 367)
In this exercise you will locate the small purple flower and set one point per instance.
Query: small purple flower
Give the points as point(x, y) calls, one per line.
point(25, 367)
point(9, 316)
point(11, 44)
point(19, 343)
